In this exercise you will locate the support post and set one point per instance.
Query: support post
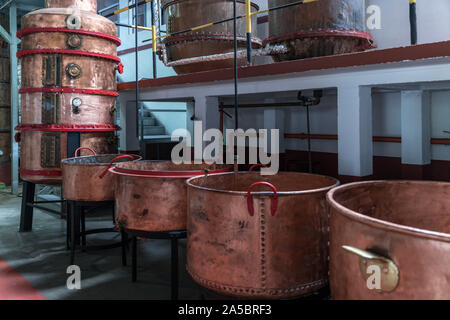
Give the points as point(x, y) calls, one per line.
point(14, 98)
point(26, 213)
point(355, 146)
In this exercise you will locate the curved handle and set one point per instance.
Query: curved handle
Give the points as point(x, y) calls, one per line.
point(256, 165)
point(387, 269)
point(111, 163)
point(120, 67)
point(273, 208)
point(17, 137)
point(84, 148)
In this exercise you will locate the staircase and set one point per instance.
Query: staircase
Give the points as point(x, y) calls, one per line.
point(152, 129)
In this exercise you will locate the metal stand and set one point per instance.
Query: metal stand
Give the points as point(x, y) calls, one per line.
point(172, 235)
point(28, 204)
point(76, 221)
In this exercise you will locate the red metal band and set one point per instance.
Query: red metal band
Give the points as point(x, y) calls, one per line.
point(96, 34)
point(163, 174)
point(67, 127)
point(46, 173)
point(71, 90)
point(22, 53)
point(320, 33)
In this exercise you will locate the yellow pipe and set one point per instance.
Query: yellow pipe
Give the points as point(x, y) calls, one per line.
point(154, 38)
point(248, 15)
point(412, 1)
point(142, 28)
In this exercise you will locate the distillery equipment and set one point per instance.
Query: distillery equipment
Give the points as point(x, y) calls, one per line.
point(217, 39)
point(5, 104)
point(320, 28)
point(69, 65)
point(86, 179)
point(152, 195)
point(259, 236)
point(390, 240)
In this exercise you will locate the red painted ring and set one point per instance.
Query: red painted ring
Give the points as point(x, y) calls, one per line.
point(163, 174)
point(22, 53)
point(46, 173)
point(67, 127)
point(70, 90)
point(96, 34)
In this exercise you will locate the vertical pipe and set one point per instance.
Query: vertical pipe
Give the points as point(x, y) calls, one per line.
point(413, 21)
point(14, 98)
point(236, 100)
point(308, 128)
point(249, 30)
point(153, 39)
point(221, 117)
point(140, 108)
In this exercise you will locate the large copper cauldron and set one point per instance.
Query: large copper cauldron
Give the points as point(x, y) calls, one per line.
point(259, 236)
point(151, 195)
point(320, 28)
point(69, 64)
point(390, 240)
point(184, 14)
point(86, 178)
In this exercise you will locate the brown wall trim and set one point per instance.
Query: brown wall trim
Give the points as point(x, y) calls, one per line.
point(411, 53)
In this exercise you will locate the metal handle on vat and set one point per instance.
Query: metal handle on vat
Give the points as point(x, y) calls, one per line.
point(256, 165)
point(372, 265)
point(274, 205)
point(84, 148)
point(111, 163)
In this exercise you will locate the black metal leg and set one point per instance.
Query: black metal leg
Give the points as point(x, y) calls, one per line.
point(134, 260)
point(68, 225)
point(174, 269)
point(83, 229)
point(124, 236)
point(73, 244)
point(26, 213)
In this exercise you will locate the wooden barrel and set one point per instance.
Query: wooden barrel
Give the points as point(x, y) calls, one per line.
point(4, 66)
point(5, 95)
point(5, 147)
point(5, 118)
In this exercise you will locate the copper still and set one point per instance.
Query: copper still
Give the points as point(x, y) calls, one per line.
point(86, 178)
point(5, 104)
point(259, 236)
point(151, 195)
point(217, 39)
point(320, 28)
point(390, 240)
point(69, 65)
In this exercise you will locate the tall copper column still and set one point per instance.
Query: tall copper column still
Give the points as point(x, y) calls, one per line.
point(259, 236)
point(184, 14)
point(396, 231)
point(68, 89)
point(320, 28)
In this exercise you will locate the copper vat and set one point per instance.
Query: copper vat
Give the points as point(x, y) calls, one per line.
point(69, 67)
point(396, 231)
point(151, 195)
point(185, 14)
point(321, 28)
point(86, 178)
point(266, 245)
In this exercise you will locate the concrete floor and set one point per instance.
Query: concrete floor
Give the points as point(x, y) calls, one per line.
point(41, 257)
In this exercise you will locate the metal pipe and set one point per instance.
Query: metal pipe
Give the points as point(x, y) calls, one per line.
point(249, 30)
point(153, 40)
point(309, 140)
point(14, 98)
point(236, 99)
point(413, 21)
point(140, 108)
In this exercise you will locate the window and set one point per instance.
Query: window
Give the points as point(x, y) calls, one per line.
point(105, 7)
point(141, 17)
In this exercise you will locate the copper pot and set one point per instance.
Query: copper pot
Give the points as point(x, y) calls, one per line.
point(86, 178)
point(151, 195)
point(185, 14)
point(259, 236)
point(390, 240)
point(325, 27)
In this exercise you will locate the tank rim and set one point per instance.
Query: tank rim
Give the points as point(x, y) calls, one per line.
point(264, 193)
point(166, 3)
point(382, 224)
point(66, 161)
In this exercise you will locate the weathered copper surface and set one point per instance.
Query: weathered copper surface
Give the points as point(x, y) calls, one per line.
point(81, 177)
point(42, 151)
point(184, 14)
point(288, 26)
point(406, 222)
point(264, 255)
point(154, 203)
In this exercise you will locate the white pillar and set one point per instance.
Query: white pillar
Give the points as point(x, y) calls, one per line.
point(416, 123)
point(128, 122)
point(355, 146)
point(274, 119)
